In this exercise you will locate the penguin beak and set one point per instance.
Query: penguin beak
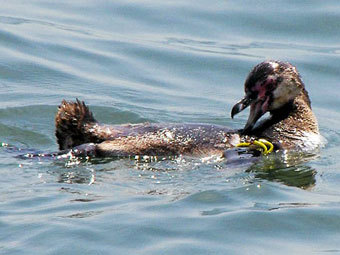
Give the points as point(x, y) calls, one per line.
point(255, 112)
point(240, 106)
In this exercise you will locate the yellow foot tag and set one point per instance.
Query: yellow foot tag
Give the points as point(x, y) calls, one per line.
point(265, 146)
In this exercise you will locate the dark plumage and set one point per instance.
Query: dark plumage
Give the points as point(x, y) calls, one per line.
point(271, 86)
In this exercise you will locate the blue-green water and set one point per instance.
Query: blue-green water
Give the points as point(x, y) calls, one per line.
point(163, 61)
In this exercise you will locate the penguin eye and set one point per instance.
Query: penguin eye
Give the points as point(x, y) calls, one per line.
point(279, 79)
point(271, 84)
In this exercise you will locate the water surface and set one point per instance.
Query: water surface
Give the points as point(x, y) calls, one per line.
point(163, 61)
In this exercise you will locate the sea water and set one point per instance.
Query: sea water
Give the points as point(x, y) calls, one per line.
point(163, 61)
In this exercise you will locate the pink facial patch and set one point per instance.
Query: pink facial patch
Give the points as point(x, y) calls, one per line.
point(261, 90)
point(263, 87)
point(265, 105)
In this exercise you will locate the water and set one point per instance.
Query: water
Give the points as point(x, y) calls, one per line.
point(163, 61)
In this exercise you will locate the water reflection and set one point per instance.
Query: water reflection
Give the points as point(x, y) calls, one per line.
point(287, 168)
point(79, 175)
point(290, 169)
